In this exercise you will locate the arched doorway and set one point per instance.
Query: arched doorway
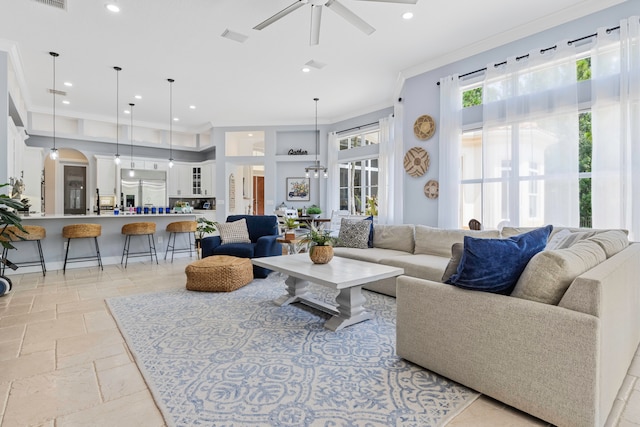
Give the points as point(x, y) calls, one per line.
point(65, 178)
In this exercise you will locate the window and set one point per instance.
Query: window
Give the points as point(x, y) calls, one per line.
point(358, 166)
point(493, 189)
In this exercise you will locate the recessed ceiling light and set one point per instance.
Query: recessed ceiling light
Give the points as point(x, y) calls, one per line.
point(69, 84)
point(193, 107)
point(306, 69)
point(407, 15)
point(138, 96)
point(112, 7)
point(175, 119)
point(127, 112)
point(250, 134)
point(66, 102)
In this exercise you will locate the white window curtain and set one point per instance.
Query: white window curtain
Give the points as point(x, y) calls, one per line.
point(387, 165)
point(530, 140)
point(333, 179)
point(615, 87)
point(450, 132)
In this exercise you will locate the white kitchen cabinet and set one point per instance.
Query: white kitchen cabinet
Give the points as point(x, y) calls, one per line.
point(180, 181)
point(106, 174)
point(157, 165)
point(208, 178)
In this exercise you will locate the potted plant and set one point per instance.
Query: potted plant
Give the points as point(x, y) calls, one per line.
point(8, 218)
point(314, 211)
point(290, 225)
point(203, 227)
point(320, 245)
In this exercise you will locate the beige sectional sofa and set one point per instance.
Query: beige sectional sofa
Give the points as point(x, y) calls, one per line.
point(562, 360)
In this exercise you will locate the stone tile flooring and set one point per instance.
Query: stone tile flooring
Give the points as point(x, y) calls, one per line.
point(65, 363)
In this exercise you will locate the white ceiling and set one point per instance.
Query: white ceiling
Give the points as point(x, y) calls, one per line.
point(258, 82)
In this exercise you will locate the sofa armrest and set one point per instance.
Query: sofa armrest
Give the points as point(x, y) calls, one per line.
point(267, 246)
point(208, 244)
point(540, 358)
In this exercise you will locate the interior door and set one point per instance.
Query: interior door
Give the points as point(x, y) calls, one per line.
point(75, 190)
point(258, 195)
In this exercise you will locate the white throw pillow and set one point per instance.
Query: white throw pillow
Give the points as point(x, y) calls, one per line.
point(234, 232)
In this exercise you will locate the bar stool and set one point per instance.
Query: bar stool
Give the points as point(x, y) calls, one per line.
point(180, 227)
point(81, 231)
point(138, 229)
point(34, 233)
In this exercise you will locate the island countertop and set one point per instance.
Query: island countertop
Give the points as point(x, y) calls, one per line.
point(111, 240)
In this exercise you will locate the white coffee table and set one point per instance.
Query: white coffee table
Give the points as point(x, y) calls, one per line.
point(344, 274)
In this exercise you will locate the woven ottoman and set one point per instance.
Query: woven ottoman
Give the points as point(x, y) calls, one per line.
point(219, 273)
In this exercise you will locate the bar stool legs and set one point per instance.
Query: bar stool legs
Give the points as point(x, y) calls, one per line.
point(138, 229)
point(81, 231)
point(34, 233)
point(180, 227)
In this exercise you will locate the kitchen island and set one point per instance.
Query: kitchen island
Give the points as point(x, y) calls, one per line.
point(111, 241)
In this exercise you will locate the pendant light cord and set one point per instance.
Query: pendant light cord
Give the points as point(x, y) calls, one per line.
point(131, 105)
point(54, 55)
point(170, 119)
point(316, 135)
point(117, 110)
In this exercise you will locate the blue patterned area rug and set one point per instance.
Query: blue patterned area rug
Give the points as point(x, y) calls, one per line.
point(238, 359)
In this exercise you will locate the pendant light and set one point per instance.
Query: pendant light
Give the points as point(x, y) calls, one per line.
point(131, 172)
point(170, 122)
point(117, 156)
point(54, 150)
point(316, 168)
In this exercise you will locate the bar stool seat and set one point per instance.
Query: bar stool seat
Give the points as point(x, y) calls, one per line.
point(138, 229)
point(177, 227)
point(32, 233)
point(81, 231)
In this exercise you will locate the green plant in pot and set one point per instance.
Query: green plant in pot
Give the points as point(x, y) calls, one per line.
point(320, 245)
point(9, 217)
point(203, 227)
point(314, 211)
point(290, 224)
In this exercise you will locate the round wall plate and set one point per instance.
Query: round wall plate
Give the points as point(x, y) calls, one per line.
point(424, 127)
point(416, 161)
point(432, 189)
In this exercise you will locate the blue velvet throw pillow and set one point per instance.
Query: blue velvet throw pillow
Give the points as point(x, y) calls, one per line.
point(495, 265)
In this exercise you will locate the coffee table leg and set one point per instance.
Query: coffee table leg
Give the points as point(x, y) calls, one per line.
point(297, 290)
point(351, 310)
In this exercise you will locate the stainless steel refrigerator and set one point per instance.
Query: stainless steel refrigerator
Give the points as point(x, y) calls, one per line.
point(145, 188)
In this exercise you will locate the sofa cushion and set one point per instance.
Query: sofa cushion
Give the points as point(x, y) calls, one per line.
point(438, 241)
point(423, 266)
point(234, 232)
point(612, 241)
point(549, 273)
point(454, 261)
point(354, 233)
point(396, 237)
point(494, 265)
point(369, 254)
point(555, 239)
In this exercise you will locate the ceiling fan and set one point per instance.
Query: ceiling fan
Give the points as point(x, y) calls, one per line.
point(316, 14)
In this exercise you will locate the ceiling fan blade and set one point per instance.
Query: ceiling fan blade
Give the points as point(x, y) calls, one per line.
point(351, 17)
point(395, 1)
point(316, 14)
point(284, 12)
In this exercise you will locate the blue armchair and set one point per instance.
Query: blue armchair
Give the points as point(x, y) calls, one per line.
point(263, 232)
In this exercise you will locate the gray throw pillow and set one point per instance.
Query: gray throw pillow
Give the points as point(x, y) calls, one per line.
point(234, 232)
point(354, 233)
point(456, 255)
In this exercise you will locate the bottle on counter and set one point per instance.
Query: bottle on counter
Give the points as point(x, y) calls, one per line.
point(304, 211)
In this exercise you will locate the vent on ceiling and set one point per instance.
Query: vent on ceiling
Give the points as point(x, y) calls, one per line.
point(316, 64)
point(232, 35)
point(60, 4)
point(57, 92)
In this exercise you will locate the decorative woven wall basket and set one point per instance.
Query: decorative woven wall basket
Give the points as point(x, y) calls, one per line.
point(416, 161)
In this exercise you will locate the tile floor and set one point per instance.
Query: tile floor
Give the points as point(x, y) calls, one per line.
point(64, 363)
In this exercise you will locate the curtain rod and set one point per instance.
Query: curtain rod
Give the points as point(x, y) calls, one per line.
point(570, 42)
point(357, 127)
